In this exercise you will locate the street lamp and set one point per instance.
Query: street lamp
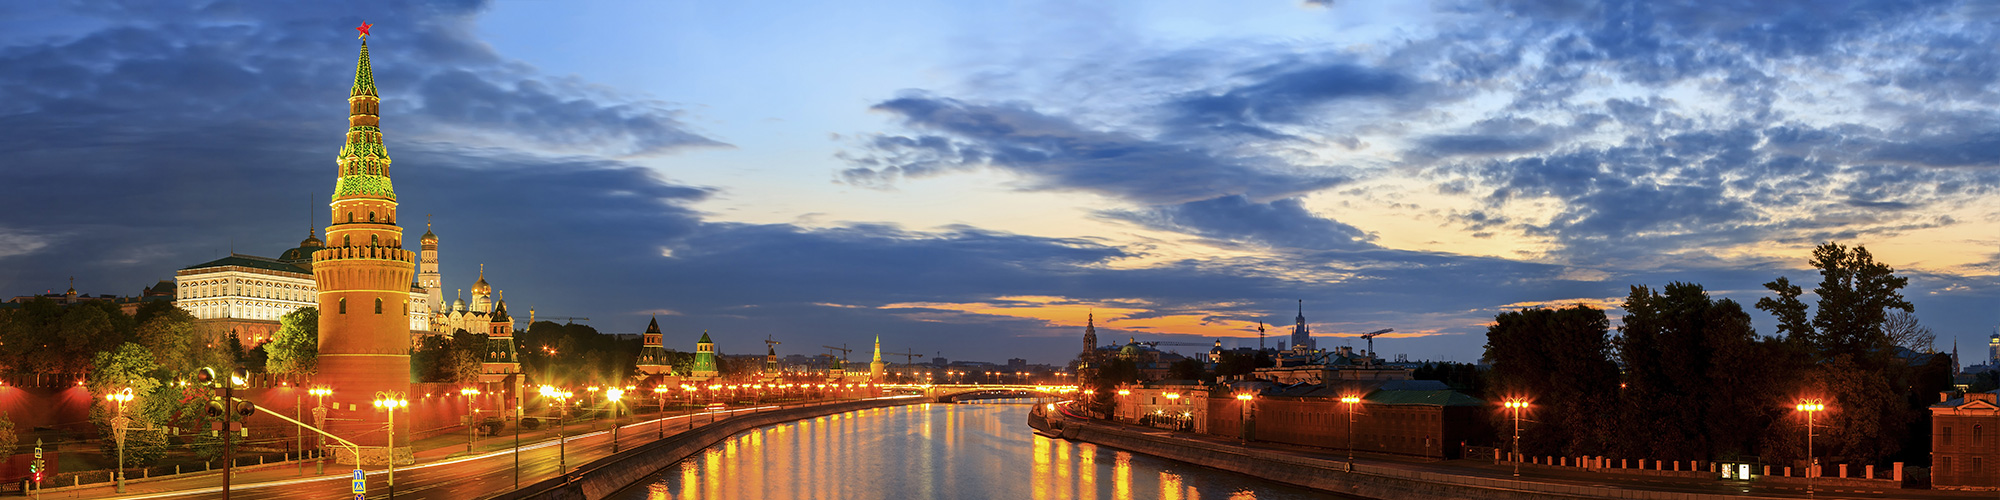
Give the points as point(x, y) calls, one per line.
point(1810, 406)
point(1350, 401)
point(613, 396)
point(319, 420)
point(562, 454)
point(390, 401)
point(1173, 397)
point(1121, 403)
point(471, 417)
point(118, 430)
point(1516, 405)
point(1243, 417)
point(660, 393)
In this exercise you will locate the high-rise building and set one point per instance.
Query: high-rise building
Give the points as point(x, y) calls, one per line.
point(1302, 334)
point(363, 276)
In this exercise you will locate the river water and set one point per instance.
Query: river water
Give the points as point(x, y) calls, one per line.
point(942, 451)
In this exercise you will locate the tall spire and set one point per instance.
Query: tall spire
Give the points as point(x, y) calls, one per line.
point(364, 162)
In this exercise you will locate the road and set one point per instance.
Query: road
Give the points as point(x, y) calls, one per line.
point(487, 474)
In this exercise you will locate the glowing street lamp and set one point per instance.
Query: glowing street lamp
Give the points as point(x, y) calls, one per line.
point(660, 393)
point(1350, 401)
point(471, 417)
point(117, 430)
point(1516, 405)
point(319, 419)
point(562, 452)
point(1243, 416)
point(614, 396)
point(1810, 406)
point(391, 401)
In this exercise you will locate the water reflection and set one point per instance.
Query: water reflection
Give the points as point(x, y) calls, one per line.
point(935, 451)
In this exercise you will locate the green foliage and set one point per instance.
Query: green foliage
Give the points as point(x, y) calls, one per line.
point(1187, 369)
point(1559, 359)
point(170, 334)
point(582, 356)
point(8, 440)
point(46, 337)
point(1235, 364)
point(1697, 376)
point(130, 366)
point(456, 359)
point(295, 346)
point(1462, 377)
point(1854, 371)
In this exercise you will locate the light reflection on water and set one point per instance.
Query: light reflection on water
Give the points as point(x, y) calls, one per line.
point(935, 451)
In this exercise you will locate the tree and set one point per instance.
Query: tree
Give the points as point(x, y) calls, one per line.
point(1904, 331)
point(1696, 375)
point(1855, 370)
point(1558, 359)
point(8, 440)
point(170, 334)
point(295, 347)
point(455, 359)
point(130, 366)
point(1187, 369)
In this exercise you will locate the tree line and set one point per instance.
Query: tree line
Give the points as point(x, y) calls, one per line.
point(1685, 376)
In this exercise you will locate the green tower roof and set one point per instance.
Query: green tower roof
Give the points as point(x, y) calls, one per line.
point(364, 162)
point(704, 338)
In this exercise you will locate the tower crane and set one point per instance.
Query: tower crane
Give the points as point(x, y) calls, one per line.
point(770, 344)
point(843, 351)
point(1370, 337)
point(909, 358)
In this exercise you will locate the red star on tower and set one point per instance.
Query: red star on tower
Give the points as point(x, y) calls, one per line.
point(363, 28)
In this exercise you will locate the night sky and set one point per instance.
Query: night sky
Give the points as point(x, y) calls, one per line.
point(972, 178)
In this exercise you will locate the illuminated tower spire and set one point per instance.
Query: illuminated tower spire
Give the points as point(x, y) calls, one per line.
point(364, 275)
point(1089, 336)
point(877, 368)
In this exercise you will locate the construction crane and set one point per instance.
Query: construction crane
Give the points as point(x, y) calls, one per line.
point(568, 319)
point(843, 351)
point(1370, 337)
point(909, 358)
point(769, 344)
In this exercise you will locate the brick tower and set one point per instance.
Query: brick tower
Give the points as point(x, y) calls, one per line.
point(364, 281)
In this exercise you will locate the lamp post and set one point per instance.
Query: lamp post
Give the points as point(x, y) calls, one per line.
point(118, 430)
point(1243, 417)
point(562, 454)
point(612, 397)
point(319, 420)
point(1174, 397)
point(471, 418)
point(390, 401)
point(1350, 401)
point(1121, 403)
point(1516, 405)
point(660, 393)
point(1810, 407)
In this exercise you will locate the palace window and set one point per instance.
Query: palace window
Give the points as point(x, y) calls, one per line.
point(1946, 436)
point(1976, 432)
point(343, 305)
point(378, 306)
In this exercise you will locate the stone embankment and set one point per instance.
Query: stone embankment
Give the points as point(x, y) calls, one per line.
point(602, 477)
point(1386, 482)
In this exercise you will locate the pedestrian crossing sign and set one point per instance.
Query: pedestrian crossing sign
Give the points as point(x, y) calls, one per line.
point(360, 484)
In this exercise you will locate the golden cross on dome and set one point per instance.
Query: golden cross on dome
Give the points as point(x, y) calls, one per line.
point(363, 28)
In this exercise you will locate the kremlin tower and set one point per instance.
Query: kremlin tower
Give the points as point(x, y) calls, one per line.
point(363, 275)
point(877, 369)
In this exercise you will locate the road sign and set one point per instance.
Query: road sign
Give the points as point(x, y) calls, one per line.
point(360, 483)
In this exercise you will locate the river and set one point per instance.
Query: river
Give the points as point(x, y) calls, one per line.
point(941, 451)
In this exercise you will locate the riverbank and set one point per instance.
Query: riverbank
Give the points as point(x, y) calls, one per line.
point(1369, 480)
point(605, 476)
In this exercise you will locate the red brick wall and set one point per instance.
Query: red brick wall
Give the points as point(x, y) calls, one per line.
point(1972, 450)
point(1431, 431)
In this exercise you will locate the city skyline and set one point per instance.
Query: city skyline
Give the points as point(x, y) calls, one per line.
point(981, 180)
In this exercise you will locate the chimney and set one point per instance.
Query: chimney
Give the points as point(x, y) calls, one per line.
point(1944, 396)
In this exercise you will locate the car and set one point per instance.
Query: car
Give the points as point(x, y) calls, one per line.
point(717, 407)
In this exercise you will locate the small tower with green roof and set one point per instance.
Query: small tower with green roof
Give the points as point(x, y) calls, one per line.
point(704, 359)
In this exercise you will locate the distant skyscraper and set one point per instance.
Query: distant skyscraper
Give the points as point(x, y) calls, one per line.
point(1302, 334)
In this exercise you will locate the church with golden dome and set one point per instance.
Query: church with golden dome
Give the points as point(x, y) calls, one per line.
point(487, 313)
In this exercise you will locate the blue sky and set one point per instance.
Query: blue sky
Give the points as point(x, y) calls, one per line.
point(971, 179)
